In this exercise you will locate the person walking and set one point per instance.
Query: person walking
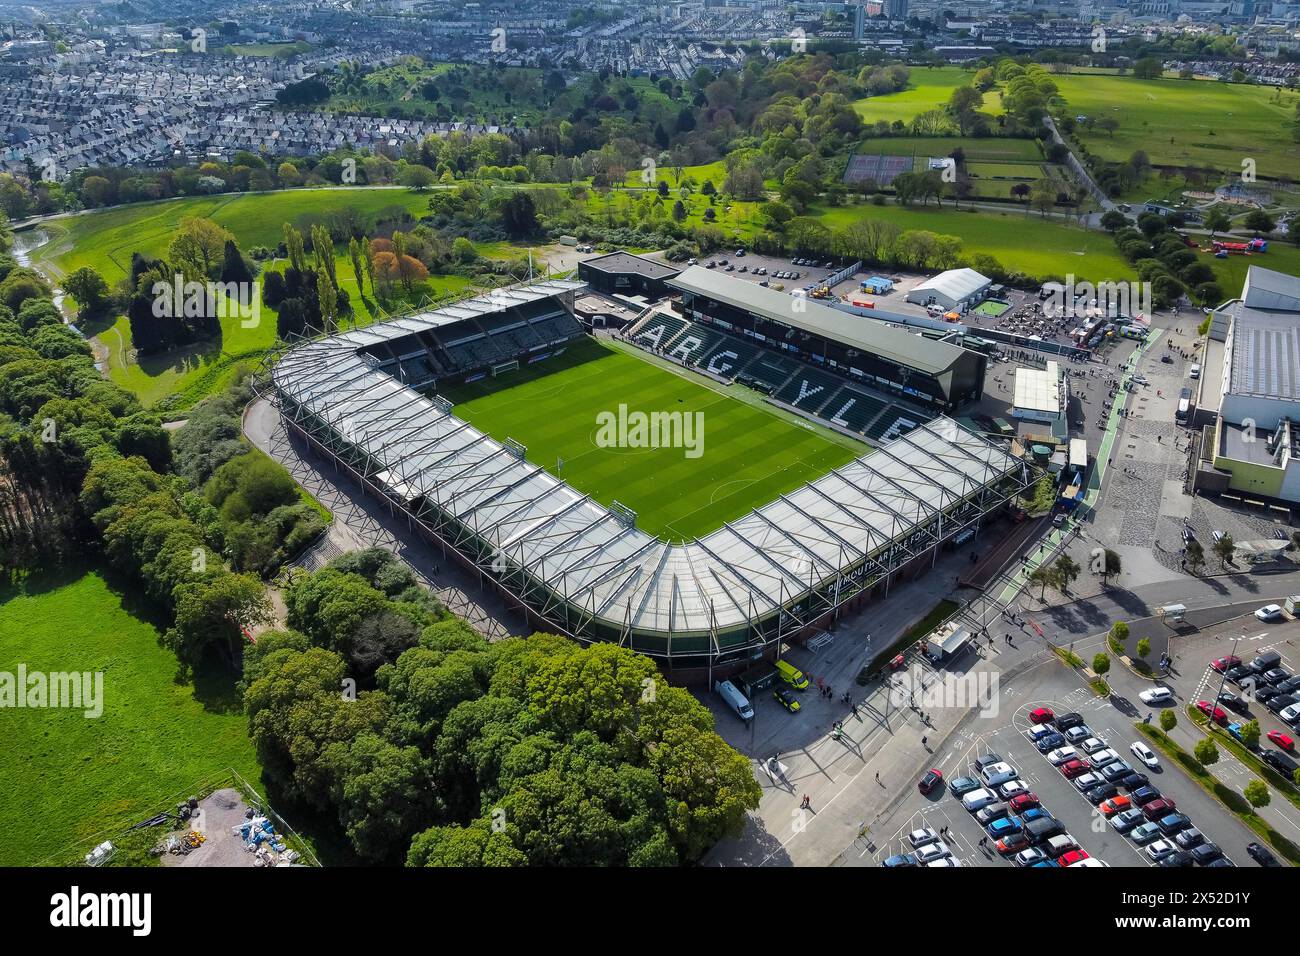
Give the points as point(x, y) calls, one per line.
point(806, 804)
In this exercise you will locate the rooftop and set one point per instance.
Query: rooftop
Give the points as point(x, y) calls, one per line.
point(867, 335)
point(1039, 389)
point(955, 283)
point(1265, 337)
point(628, 262)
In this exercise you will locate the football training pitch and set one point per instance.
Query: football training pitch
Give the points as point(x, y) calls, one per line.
point(733, 453)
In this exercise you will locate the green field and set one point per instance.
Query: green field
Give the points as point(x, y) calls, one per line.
point(1028, 243)
point(1186, 122)
point(929, 89)
point(990, 150)
point(749, 454)
point(69, 778)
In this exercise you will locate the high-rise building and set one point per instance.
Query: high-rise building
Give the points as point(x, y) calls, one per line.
point(896, 9)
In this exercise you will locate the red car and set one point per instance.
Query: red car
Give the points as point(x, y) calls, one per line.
point(1225, 663)
point(1281, 739)
point(1013, 844)
point(1220, 716)
point(1073, 768)
point(1041, 715)
point(1074, 856)
point(931, 781)
point(1159, 808)
point(1023, 801)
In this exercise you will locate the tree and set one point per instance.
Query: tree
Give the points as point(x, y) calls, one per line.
point(1168, 720)
point(519, 215)
point(1101, 663)
point(1224, 549)
point(1113, 220)
point(1258, 794)
point(418, 178)
point(1250, 734)
point(1195, 556)
point(1148, 68)
point(1216, 220)
point(89, 289)
point(198, 246)
point(214, 613)
point(1044, 577)
point(358, 252)
point(1067, 571)
point(1257, 220)
point(233, 267)
point(1143, 647)
point(1206, 752)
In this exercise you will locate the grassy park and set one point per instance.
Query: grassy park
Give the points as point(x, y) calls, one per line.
point(156, 740)
point(928, 89)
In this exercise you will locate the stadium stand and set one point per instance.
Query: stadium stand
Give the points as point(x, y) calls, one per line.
point(808, 389)
point(657, 330)
point(768, 371)
point(854, 409)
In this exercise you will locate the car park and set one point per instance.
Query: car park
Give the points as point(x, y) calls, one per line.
point(1269, 612)
point(922, 837)
point(1144, 833)
point(1062, 755)
point(963, 785)
point(1145, 754)
point(1127, 819)
point(932, 851)
point(1116, 804)
point(1042, 715)
point(1281, 702)
point(994, 811)
point(978, 799)
point(1050, 742)
point(932, 780)
point(1074, 768)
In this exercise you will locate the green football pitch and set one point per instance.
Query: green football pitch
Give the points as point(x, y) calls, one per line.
point(560, 409)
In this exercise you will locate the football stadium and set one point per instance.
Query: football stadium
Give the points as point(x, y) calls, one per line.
point(509, 438)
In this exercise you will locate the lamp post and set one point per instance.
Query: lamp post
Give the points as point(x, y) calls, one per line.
point(1223, 678)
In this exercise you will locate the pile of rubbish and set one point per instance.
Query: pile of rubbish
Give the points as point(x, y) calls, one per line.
point(260, 839)
point(181, 844)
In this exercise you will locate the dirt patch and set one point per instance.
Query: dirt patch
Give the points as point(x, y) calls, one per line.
point(219, 817)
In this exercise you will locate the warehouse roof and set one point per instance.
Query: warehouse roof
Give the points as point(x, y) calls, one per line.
point(1271, 291)
point(864, 334)
point(1265, 338)
point(1039, 389)
point(956, 284)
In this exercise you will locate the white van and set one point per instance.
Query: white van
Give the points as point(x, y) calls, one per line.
point(735, 699)
point(1059, 845)
point(999, 773)
point(1194, 371)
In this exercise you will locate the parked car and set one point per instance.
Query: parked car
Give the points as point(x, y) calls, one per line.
point(1281, 740)
point(1145, 754)
point(1269, 612)
point(1210, 710)
point(1023, 801)
point(1103, 757)
point(1144, 833)
point(1038, 731)
point(1030, 857)
point(1173, 822)
point(1275, 676)
point(1042, 715)
point(994, 811)
point(1156, 696)
point(1103, 791)
point(978, 799)
point(1074, 768)
point(1226, 663)
point(1126, 820)
point(1004, 827)
point(963, 785)
point(1086, 781)
point(1280, 762)
point(1157, 809)
point(1076, 734)
point(1011, 788)
point(1072, 858)
point(1281, 702)
point(932, 780)
point(786, 698)
point(1189, 838)
point(1161, 848)
point(1116, 771)
point(1012, 844)
point(922, 837)
point(1206, 853)
point(1062, 755)
point(995, 775)
point(1050, 742)
point(984, 760)
point(1262, 855)
point(1066, 721)
point(1234, 702)
point(1177, 858)
point(1114, 805)
point(1143, 795)
point(1092, 745)
point(932, 851)
point(1134, 781)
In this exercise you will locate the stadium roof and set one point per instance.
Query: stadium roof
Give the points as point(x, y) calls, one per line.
point(628, 262)
point(581, 551)
point(1039, 389)
point(1265, 337)
point(852, 330)
point(956, 284)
